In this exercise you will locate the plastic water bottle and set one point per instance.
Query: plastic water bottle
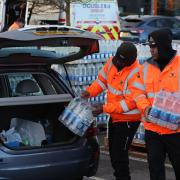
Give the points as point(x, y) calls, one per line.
point(66, 116)
point(86, 113)
point(98, 57)
point(154, 114)
point(84, 72)
point(91, 72)
point(67, 110)
point(27, 139)
point(85, 117)
point(79, 116)
point(174, 122)
point(79, 72)
point(164, 114)
point(141, 133)
point(161, 102)
point(174, 119)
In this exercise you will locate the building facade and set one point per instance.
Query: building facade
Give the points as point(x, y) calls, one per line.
point(156, 7)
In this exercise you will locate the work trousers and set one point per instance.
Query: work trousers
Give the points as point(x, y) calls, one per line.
point(157, 147)
point(120, 137)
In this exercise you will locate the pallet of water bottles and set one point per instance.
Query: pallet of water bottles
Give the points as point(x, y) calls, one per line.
point(93, 58)
point(85, 71)
point(166, 110)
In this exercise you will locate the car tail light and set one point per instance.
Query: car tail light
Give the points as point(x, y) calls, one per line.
point(96, 155)
point(137, 31)
point(141, 31)
point(92, 131)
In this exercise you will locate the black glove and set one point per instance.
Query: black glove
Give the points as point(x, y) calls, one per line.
point(147, 111)
point(85, 95)
point(97, 109)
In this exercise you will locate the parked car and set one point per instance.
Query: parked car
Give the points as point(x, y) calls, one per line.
point(137, 29)
point(32, 91)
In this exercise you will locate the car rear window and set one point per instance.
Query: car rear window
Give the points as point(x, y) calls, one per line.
point(15, 78)
point(41, 51)
point(176, 24)
point(29, 84)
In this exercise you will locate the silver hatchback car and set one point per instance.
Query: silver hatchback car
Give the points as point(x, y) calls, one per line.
point(31, 91)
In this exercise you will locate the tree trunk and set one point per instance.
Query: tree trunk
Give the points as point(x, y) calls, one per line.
point(68, 13)
point(30, 12)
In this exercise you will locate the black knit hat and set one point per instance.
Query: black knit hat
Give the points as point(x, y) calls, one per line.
point(163, 41)
point(161, 37)
point(126, 52)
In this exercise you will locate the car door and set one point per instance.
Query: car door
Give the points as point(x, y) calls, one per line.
point(174, 25)
point(170, 23)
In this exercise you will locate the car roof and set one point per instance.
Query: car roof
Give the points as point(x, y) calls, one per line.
point(145, 17)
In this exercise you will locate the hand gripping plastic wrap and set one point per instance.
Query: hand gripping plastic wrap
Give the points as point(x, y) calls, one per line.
point(77, 116)
point(165, 110)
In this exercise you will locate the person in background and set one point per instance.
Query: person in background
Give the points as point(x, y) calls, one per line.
point(19, 23)
point(160, 72)
point(10, 16)
point(117, 77)
point(22, 10)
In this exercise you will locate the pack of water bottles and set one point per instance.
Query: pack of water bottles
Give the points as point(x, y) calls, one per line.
point(77, 116)
point(166, 110)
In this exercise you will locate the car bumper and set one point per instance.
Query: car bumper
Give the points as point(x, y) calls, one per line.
point(57, 163)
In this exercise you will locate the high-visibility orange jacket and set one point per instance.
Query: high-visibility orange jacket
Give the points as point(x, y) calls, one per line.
point(119, 103)
point(14, 26)
point(155, 80)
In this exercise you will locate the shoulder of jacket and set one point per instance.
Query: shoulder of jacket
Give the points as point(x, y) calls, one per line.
point(149, 61)
point(109, 60)
point(178, 56)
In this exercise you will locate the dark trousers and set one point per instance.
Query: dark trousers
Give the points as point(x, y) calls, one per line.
point(158, 146)
point(120, 137)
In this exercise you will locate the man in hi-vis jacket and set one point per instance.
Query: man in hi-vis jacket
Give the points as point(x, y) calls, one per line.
point(117, 77)
point(160, 72)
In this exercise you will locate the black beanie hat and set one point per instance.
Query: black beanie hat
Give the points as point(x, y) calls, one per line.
point(163, 40)
point(126, 52)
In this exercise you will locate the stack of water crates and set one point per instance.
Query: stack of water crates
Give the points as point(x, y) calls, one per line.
point(84, 71)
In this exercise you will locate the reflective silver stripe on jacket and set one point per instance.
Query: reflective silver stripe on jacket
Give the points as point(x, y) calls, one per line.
point(109, 66)
point(114, 91)
point(139, 86)
point(140, 96)
point(128, 77)
point(151, 94)
point(124, 106)
point(145, 73)
point(134, 111)
point(103, 86)
point(128, 91)
point(103, 74)
point(143, 118)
